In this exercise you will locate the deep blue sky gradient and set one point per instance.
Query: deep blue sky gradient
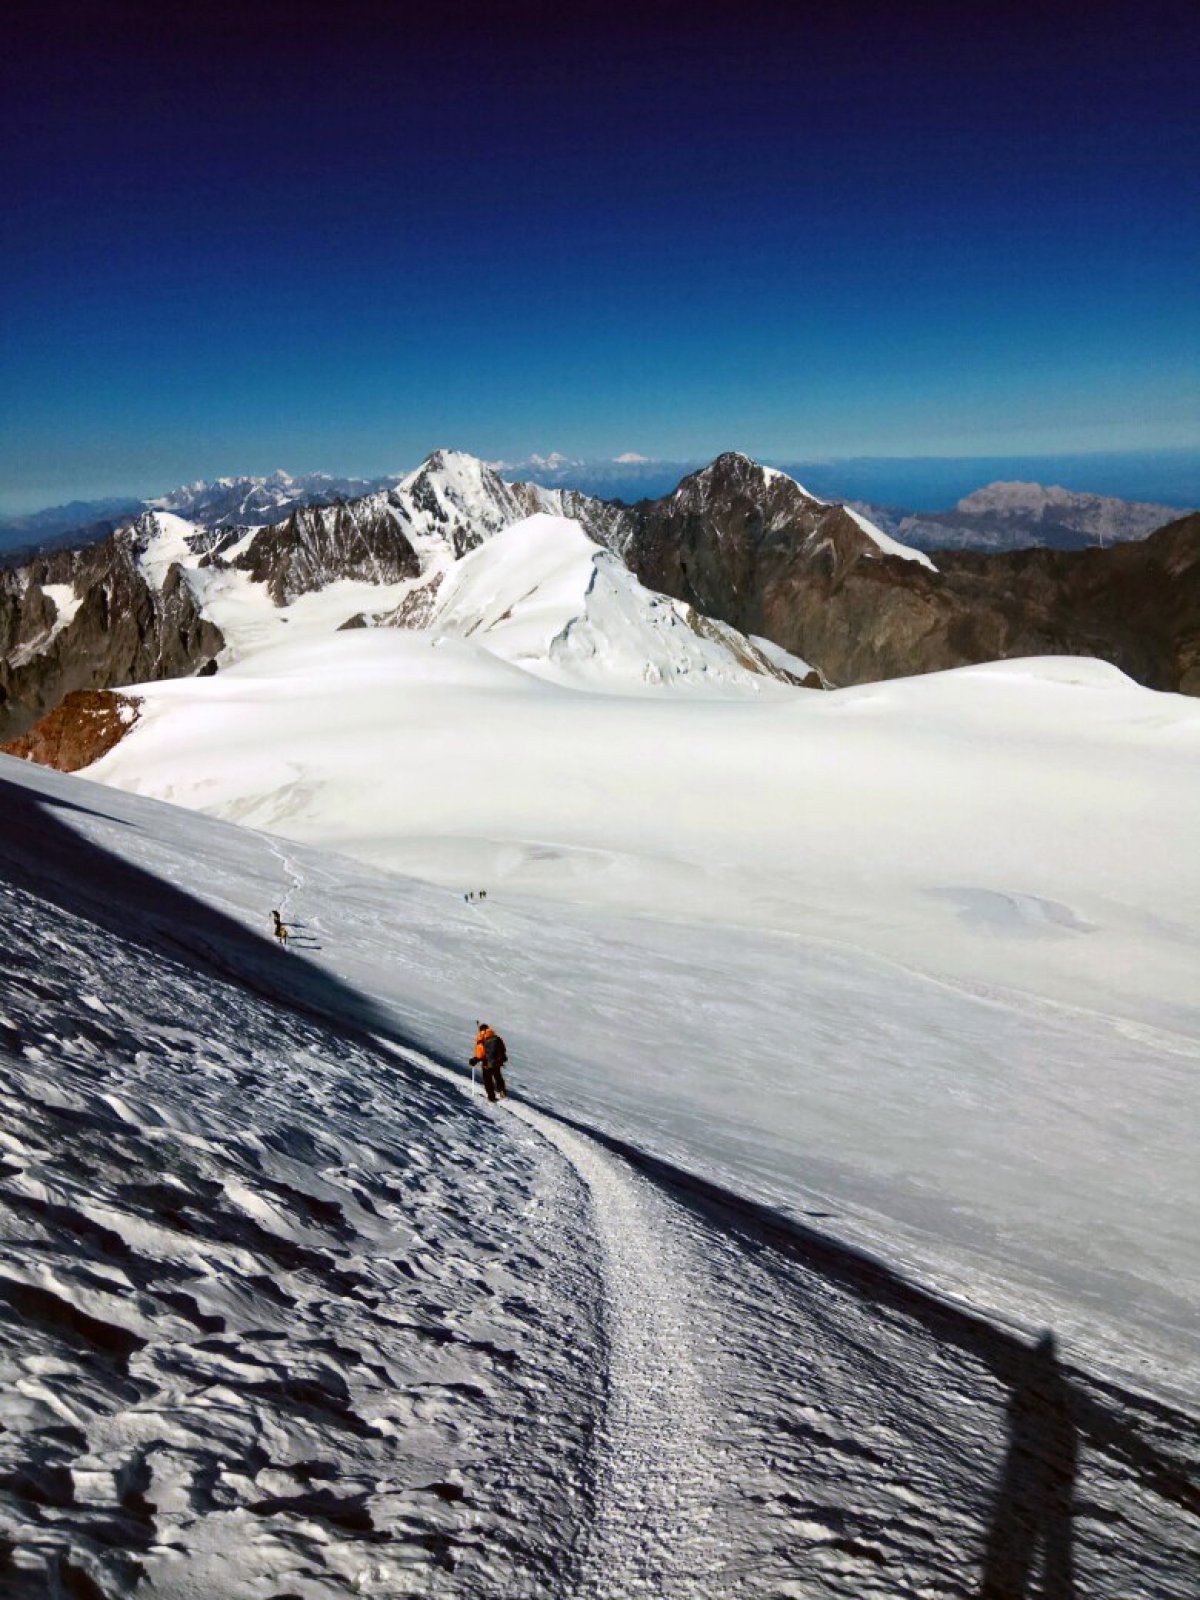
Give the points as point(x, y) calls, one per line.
point(338, 236)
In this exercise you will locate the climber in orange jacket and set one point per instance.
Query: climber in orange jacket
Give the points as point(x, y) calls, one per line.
point(490, 1055)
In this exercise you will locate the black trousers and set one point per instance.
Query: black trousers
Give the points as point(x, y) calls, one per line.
point(493, 1082)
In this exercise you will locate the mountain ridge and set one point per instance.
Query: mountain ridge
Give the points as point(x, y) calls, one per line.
point(1000, 514)
point(744, 545)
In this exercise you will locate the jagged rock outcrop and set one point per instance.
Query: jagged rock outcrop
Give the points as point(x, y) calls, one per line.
point(93, 618)
point(364, 539)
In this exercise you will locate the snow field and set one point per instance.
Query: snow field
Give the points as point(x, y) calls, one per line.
point(850, 973)
point(292, 1312)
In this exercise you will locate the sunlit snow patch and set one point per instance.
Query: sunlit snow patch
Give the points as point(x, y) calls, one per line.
point(888, 545)
point(543, 595)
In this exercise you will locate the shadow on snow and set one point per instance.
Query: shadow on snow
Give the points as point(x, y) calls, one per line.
point(1049, 1409)
point(1028, 1548)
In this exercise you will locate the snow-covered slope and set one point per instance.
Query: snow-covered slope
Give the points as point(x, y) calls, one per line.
point(1014, 842)
point(543, 595)
point(287, 1313)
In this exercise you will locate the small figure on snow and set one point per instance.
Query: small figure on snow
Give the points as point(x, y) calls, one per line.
point(491, 1055)
point(279, 928)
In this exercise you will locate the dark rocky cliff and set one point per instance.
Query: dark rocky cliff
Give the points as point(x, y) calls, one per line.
point(124, 630)
point(313, 547)
point(751, 548)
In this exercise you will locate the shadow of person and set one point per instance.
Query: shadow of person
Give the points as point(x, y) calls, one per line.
point(1031, 1520)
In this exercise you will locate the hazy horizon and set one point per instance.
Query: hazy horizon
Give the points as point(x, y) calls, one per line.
point(915, 483)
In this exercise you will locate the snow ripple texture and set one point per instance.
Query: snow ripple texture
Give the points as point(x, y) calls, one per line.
point(277, 1314)
point(285, 1315)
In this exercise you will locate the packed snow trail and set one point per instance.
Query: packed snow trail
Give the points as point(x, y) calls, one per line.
point(652, 1483)
point(784, 1417)
point(856, 1436)
point(654, 1478)
point(287, 1315)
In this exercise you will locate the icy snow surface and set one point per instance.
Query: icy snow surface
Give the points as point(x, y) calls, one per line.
point(289, 1312)
point(925, 950)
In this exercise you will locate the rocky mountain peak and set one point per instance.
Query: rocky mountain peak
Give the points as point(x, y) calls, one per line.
point(730, 468)
point(454, 472)
point(733, 477)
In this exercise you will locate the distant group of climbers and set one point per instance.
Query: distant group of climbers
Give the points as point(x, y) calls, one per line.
point(475, 894)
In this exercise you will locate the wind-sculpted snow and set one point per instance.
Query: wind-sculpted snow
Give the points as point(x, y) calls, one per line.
point(287, 1312)
point(276, 1309)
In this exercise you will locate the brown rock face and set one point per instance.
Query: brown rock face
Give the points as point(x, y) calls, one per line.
point(84, 727)
point(1136, 605)
point(123, 631)
point(752, 549)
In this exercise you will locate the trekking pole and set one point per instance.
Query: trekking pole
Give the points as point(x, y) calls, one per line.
point(472, 1079)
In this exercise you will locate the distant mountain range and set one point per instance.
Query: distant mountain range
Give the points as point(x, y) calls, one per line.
point(740, 546)
point(211, 504)
point(1001, 515)
point(1022, 516)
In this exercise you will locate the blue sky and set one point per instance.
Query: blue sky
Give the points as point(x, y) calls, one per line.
point(336, 237)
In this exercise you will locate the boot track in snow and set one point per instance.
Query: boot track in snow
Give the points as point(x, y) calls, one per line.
point(784, 1417)
point(653, 1482)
